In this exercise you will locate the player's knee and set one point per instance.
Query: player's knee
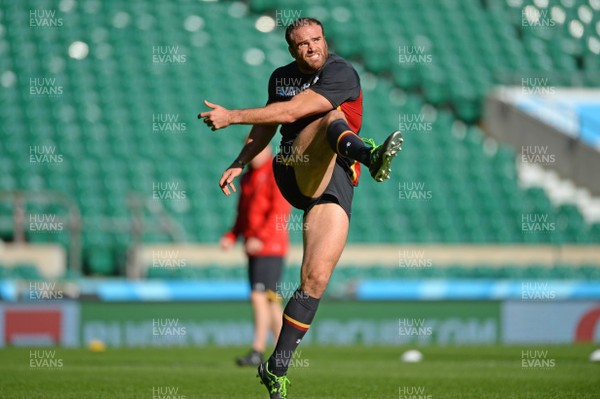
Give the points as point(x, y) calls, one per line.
point(315, 283)
point(334, 123)
point(333, 115)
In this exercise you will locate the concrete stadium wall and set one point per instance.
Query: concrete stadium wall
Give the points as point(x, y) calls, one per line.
point(366, 255)
point(573, 159)
point(50, 259)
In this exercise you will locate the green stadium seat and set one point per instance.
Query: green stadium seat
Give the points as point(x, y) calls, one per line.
point(26, 271)
point(101, 261)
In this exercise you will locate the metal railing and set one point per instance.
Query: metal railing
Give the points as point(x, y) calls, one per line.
point(19, 199)
point(135, 225)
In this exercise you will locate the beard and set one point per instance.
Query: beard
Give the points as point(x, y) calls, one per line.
point(313, 66)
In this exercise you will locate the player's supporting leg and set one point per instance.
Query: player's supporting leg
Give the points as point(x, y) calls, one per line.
point(324, 239)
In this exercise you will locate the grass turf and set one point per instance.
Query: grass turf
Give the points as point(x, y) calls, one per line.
point(487, 372)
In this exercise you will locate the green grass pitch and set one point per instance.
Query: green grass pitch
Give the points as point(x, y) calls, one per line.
point(486, 372)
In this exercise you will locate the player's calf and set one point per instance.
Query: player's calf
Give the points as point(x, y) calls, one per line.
point(343, 141)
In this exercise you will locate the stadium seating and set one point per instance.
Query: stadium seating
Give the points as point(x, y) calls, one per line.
point(102, 123)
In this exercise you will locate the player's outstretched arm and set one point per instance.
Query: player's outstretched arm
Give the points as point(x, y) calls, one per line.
point(300, 106)
point(258, 139)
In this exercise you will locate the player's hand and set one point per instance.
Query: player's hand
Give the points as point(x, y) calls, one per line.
point(227, 178)
point(253, 246)
point(226, 243)
point(217, 118)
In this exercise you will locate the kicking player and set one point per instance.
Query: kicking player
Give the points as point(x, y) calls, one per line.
point(261, 210)
point(317, 100)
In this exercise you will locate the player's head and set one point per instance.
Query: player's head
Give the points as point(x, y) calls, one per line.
point(306, 43)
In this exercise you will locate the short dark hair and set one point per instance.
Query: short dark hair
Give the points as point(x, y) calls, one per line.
point(298, 23)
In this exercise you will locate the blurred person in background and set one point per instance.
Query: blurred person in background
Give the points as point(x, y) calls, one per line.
point(260, 218)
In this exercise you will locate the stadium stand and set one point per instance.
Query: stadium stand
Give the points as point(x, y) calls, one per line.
point(107, 118)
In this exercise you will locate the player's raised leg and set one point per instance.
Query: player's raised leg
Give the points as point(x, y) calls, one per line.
point(321, 140)
point(345, 142)
point(316, 160)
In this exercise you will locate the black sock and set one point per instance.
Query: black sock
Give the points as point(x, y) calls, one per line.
point(345, 142)
point(297, 316)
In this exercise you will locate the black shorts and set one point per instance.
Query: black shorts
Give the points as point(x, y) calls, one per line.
point(264, 273)
point(339, 190)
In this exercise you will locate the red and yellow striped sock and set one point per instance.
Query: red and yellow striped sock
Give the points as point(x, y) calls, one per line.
point(345, 142)
point(297, 317)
